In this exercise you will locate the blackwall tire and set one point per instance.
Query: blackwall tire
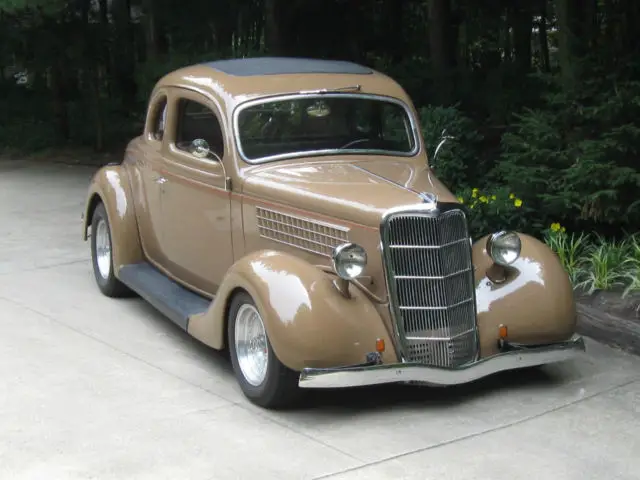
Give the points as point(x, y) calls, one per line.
point(264, 380)
point(102, 256)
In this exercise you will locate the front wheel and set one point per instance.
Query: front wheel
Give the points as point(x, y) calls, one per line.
point(102, 256)
point(262, 377)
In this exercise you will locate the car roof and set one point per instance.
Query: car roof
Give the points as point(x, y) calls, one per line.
point(250, 67)
point(234, 81)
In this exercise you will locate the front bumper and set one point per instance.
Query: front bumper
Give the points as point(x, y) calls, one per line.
point(517, 357)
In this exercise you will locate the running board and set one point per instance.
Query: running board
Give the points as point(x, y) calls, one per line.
point(169, 297)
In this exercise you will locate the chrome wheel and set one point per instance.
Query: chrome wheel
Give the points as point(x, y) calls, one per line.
point(103, 249)
point(251, 344)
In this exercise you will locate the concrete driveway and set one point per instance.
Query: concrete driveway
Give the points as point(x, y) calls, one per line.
point(100, 388)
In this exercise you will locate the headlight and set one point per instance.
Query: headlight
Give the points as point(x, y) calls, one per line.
point(504, 247)
point(349, 260)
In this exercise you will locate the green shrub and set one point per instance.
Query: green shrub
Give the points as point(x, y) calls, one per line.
point(574, 158)
point(491, 210)
point(148, 73)
point(25, 120)
point(457, 160)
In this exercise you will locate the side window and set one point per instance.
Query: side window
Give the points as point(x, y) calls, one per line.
point(159, 118)
point(197, 121)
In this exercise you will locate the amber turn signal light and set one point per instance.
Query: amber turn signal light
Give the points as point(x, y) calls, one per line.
point(380, 345)
point(502, 331)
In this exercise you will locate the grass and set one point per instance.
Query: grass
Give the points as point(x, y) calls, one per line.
point(595, 263)
point(632, 266)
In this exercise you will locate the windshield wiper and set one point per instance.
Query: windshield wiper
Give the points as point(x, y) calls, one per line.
point(350, 88)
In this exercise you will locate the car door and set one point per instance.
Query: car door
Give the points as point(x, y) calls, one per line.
point(148, 181)
point(196, 202)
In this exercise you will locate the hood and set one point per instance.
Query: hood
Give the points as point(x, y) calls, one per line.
point(356, 191)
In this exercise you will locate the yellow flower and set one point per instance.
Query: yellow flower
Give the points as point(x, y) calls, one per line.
point(512, 196)
point(493, 197)
point(555, 227)
point(474, 193)
point(483, 199)
point(461, 200)
point(563, 229)
point(517, 203)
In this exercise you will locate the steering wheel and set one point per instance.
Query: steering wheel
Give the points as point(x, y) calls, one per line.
point(271, 128)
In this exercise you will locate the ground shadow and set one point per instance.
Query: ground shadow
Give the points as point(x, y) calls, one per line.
point(373, 398)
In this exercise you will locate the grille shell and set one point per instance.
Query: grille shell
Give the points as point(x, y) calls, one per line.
point(429, 268)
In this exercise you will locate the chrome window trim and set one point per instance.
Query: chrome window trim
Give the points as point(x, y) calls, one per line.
point(427, 209)
point(313, 153)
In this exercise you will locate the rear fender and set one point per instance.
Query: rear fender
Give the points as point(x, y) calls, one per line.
point(110, 185)
point(309, 323)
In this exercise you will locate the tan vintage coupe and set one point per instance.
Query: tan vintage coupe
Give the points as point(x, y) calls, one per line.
point(284, 209)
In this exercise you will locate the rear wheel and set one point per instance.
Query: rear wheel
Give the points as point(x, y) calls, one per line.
point(262, 377)
point(102, 256)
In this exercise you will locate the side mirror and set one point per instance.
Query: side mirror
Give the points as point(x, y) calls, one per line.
point(199, 148)
point(443, 139)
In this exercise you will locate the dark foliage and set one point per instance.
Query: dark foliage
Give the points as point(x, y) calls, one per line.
point(541, 96)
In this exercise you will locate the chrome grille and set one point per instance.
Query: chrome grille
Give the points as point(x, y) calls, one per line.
point(430, 276)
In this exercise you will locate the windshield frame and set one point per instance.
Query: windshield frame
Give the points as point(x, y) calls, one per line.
point(413, 134)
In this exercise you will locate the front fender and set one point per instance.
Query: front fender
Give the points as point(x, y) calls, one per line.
point(309, 323)
point(111, 186)
point(535, 302)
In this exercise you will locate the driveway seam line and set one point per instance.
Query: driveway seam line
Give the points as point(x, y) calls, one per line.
point(308, 436)
point(44, 267)
point(230, 403)
point(113, 347)
point(480, 433)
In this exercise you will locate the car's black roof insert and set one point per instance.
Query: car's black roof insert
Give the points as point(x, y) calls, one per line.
point(247, 67)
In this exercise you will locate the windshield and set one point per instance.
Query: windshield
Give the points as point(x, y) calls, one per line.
point(324, 124)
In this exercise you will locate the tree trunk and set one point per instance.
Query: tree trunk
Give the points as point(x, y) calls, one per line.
point(123, 55)
point(393, 13)
point(103, 38)
point(590, 21)
point(569, 51)
point(276, 24)
point(59, 97)
point(439, 41)
point(522, 27)
point(543, 38)
point(155, 40)
point(98, 109)
point(508, 43)
point(258, 32)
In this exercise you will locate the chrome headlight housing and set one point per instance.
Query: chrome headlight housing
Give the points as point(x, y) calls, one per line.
point(349, 260)
point(504, 247)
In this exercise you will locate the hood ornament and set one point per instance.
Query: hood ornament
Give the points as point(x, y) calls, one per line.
point(429, 199)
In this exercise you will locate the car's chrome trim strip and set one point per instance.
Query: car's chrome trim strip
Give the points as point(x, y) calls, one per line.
point(448, 307)
point(362, 375)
